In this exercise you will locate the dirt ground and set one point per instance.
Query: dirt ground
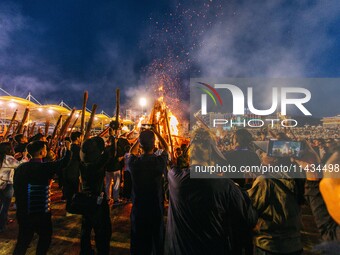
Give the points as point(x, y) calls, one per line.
point(66, 231)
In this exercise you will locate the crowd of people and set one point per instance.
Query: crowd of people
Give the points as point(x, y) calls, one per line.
point(255, 214)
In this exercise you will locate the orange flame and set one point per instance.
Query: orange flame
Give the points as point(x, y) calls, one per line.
point(173, 125)
point(141, 119)
point(158, 115)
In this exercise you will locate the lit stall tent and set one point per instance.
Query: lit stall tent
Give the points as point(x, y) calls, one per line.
point(43, 118)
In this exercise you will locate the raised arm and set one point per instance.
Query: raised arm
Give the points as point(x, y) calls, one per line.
point(134, 148)
point(61, 163)
point(162, 141)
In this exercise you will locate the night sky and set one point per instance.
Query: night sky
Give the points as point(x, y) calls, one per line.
point(58, 49)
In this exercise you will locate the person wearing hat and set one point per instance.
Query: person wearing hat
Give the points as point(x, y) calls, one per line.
point(93, 158)
point(32, 192)
point(146, 170)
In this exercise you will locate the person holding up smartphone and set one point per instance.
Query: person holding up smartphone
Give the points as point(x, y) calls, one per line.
point(277, 198)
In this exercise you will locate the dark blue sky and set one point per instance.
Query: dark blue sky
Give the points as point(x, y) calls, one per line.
point(58, 49)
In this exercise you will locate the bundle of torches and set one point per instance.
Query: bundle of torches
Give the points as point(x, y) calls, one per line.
point(161, 118)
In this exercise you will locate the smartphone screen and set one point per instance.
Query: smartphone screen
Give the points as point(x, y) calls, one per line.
point(284, 148)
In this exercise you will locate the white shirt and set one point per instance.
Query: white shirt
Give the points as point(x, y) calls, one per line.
point(7, 168)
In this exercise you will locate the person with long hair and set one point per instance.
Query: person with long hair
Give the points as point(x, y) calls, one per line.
point(7, 165)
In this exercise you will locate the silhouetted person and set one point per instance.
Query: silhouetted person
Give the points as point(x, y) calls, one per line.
point(146, 170)
point(32, 191)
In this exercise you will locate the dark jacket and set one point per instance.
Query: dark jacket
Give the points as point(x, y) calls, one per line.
point(327, 227)
point(92, 174)
point(278, 207)
point(114, 164)
point(146, 174)
point(202, 214)
point(71, 171)
point(31, 185)
point(241, 158)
